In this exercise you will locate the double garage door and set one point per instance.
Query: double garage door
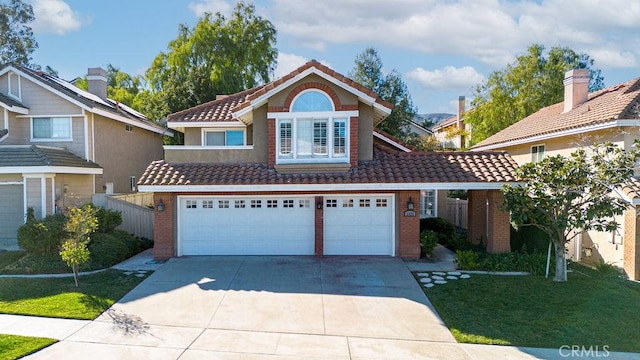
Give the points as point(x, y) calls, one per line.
point(259, 225)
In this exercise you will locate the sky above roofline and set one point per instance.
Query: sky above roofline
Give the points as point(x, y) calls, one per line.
point(441, 48)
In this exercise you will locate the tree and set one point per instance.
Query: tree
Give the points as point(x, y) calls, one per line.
point(216, 56)
point(368, 72)
point(533, 81)
point(563, 196)
point(424, 142)
point(17, 41)
point(82, 222)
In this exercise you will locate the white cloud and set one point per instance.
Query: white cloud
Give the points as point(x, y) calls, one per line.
point(448, 78)
point(56, 16)
point(213, 6)
point(289, 62)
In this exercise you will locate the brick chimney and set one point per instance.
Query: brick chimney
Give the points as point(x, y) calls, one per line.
point(97, 80)
point(460, 112)
point(576, 88)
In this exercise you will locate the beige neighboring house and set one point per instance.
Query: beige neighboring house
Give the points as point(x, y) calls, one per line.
point(453, 133)
point(611, 114)
point(59, 145)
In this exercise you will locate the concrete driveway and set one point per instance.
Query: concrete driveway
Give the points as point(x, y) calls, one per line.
point(272, 307)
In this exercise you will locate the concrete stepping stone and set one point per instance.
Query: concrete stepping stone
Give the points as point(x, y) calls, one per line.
point(429, 285)
point(452, 277)
point(423, 274)
point(456, 273)
point(425, 280)
point(440, 282)
point(465, 276)
point(128, 273)
point(437, 277)
point(439, 273)
point(140, 275)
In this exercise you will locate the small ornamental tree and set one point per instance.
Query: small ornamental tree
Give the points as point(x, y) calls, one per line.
point(82, 222)
point(563, 196)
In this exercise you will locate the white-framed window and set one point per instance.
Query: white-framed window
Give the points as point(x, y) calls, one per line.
point(347, 203)
point(191, 204)
point(428, 203)
point(381, 202)
point(132, 183)
point(207, 204)
point(256, 204)
point(287, 203)
point(239, 204)
point(365, 202)
point(272, 203)
point(223, 204)
point(332, 203)
point(223, 137)
point(312, 131)
point(14, 88)
point(537, 153)
point(51, 129)
point(304, 203)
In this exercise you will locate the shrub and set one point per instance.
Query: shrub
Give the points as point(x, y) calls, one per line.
point(467, 260)
point(515, 261)
point(44, 236)
point(133, 244)
point(107, 250)
point(108, 220)
point(529, 239)
point(444, 228)
point(428, 240)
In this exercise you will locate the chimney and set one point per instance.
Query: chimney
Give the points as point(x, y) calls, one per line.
point(460, 112)
point(97, 80)
point(576, 88)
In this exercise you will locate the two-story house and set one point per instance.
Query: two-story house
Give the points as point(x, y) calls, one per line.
point(59, 145)
point(295, 167)
point(454, 133)
point(583, 118)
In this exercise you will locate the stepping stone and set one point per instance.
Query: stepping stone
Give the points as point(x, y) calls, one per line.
point(423, 274)
point(465, 276)
point(452, 277)
point(140, 275)
point(128, 273)
point(142, 272)
point(440, 282)
point(437, 277)
point(457, 273)
point(425, 280)
point(429, 285)
point(439, 273)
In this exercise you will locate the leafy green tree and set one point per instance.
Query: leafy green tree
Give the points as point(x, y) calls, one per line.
point(16, 40)
point(533, 81)
point(368, 72)
point(216, 56)
point(563, 196)
point(81, 223)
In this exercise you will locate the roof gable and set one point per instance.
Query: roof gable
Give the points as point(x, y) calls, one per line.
point(619, 102)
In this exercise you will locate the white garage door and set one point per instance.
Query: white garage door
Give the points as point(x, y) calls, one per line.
point(358, 225)
point(11, 213)
point(246, 226)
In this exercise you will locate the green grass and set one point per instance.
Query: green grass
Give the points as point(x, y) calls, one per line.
point(591, 309)
point(10, 257)
point(14, 347)
point(53, 297)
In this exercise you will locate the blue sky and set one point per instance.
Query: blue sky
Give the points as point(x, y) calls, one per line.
point(442, 48)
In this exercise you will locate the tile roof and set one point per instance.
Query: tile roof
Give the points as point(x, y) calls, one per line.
point(621, 101)
point(10, 101)
point(223, 109)
point(41, 156)
point(4, 132)
point(387, 167)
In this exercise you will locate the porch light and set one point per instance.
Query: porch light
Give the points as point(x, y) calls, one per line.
point(319, 205)
point(410, 204)
point(160, 206)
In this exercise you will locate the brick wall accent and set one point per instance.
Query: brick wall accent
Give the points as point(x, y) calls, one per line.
point(353, 141)
point(498, 228)
point(319, 226)
point(164, 227)
point(631, 243)
point(477, 216)
point(409, 226)
point(271, 143)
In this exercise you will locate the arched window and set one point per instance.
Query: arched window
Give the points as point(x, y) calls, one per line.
point(312, 100)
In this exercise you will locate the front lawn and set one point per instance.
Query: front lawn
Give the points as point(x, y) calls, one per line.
point(591, 309)
point(13, 346)
point(58, 297)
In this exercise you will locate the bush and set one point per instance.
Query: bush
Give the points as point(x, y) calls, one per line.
point(44, 236)
point(133, 244)
point(515, 261)
point(529, 239)
point(444, 228)
point(107, 250)
point(428, 240)
point(108, 220)
point(467, 260)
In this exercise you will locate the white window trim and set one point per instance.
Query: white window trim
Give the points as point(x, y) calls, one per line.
point(537, 146)
point(331, 116)
point(333, 106)
point(423, 213)
point(10, 90)
point(203, 137)
point(70, 138)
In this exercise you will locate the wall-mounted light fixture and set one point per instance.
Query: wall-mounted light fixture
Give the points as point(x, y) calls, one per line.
point(410, 204)
point(160, 206)
point(319, 205)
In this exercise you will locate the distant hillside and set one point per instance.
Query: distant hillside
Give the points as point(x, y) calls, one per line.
point(435, 118)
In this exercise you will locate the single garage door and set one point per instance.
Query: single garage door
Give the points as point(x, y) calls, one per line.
point(358, 225)
point(246, 226)
point(11, 213)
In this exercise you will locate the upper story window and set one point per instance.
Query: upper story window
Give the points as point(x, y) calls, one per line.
point(51, 129)
point(537, 153)
point(312, 131)
point(223, 137)
point(14, 85)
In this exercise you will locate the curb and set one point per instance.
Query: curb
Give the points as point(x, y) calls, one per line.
point(503, 273)
point(36, 276)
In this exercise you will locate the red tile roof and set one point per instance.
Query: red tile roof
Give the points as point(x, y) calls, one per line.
point(387, 167)
point(223, 109)
point(617, 102)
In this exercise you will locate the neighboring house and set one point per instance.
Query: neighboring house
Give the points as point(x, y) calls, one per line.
point(453, 133)
point(294, 167)
point(59, 145)
point(418, 129)
point(611, 114)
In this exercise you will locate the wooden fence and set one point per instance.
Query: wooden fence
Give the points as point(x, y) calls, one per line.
point(137, 218)
point(457, 212)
